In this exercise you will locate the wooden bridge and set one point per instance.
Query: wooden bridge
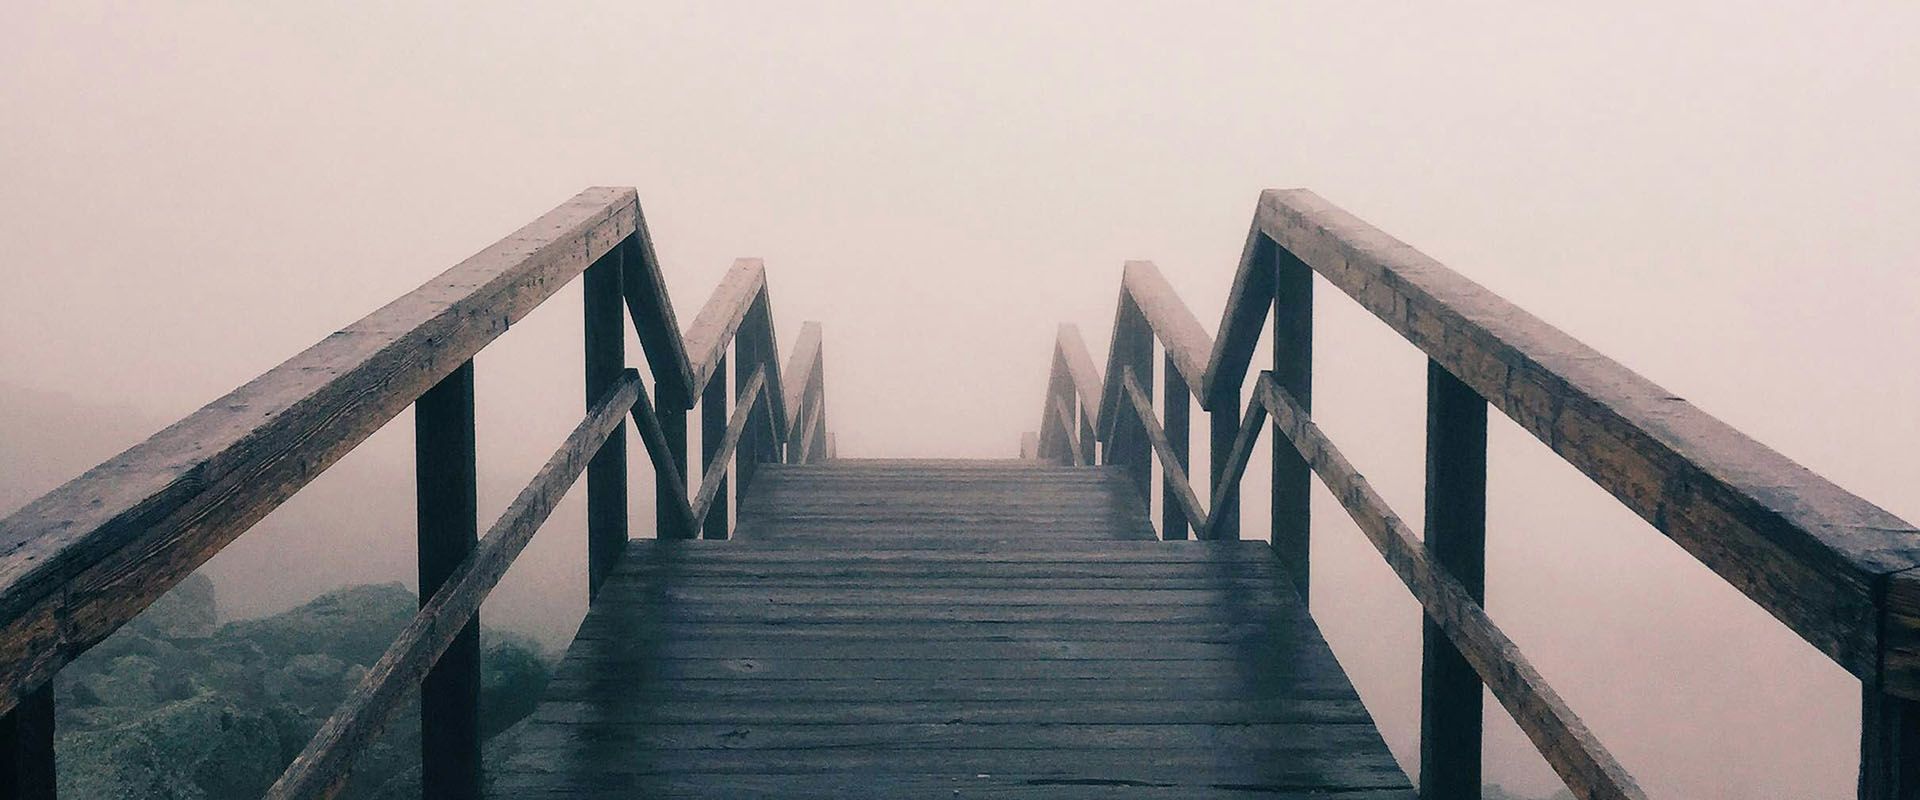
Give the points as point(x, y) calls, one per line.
point(1018, 628)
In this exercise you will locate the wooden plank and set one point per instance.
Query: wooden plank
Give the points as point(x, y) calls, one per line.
point(26, 748)
point(94, 552)
point(322, 768)
point(1224, 434)
point(644, 286)
point(605, 336)
point(1801, 547)
point(753, 393)
point(1187, 344)
point(666, 473)
point(1586, 766)
point(1456, 539)
point(718, 321)
point(1174, 394)
point(1069, 440)
point(713, 428)
point(759, 324)
point(1086, 378)
point(1181, 492)
point(802, 371)
point(1226, 484)
point(1240, 322)
point(670, 414)
point(446, 488)
point(1291, 515)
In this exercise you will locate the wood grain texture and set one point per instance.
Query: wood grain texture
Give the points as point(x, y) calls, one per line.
point(1233, 466)
point(1086, 377)
point(1586, 766)
point(1187, 344)
point(715, 472)
point(83, 559)
point(322, 768)
point(1801, 547)
point(1180, 491)
point(949, 660)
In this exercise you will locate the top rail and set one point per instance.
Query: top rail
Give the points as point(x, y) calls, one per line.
point(83, 559)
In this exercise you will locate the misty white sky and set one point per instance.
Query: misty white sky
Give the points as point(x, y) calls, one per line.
point(1719, 195)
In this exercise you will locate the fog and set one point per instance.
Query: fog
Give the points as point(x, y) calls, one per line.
point(1721, 196)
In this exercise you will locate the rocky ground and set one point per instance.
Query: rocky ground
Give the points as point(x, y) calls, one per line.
point(176, 706)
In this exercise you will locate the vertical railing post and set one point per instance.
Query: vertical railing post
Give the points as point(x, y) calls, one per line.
point(1223, 427)
point(1293, 370)
point(607, 471)
point(1136, 343)
point(1889, 745)
point(1456, 537)
point(26, 747)
point(1088, 447)
point(670, 407)
point(1173, 521)
point(447, 516)
point(746, 356)
point(817, 387)
point(713, 428)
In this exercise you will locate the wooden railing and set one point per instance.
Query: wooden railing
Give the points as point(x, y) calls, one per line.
point(87, 557)
point(1834, 568)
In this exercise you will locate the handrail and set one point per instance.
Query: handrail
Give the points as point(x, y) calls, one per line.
point(85, 558)
point(1837, 570)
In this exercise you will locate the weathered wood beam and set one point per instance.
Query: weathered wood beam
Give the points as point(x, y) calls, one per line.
point(718, 321)
point(665, 473)
point(1182, 491)
point(713, 428)
point(446, 491)
point(322, 768)
point(715, 472)
point(1070, 445)
point(1240, 323)
point(643, 285)
point(1086, 378)
point(85, 558)
point(1226, 486)
point(1175, 419)
point(1187, 344)
point(1456, 538)
point(1582, 762)
point(604, 336)
point(801, 372)
point(1809, 552)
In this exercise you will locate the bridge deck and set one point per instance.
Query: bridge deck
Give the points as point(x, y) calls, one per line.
point(948, 629)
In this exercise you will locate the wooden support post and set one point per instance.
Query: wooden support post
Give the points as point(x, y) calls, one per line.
point(746, 356)
point(713, 428)
point(670, 407)
point(1889, 746)
point(1136, 339)
point(1456, 537)
point(1223, 424)
point(1173, 523)
point(26, 747)
point(607, 472)
point(446, 512)
point(1088, 445)
point(1293, 370)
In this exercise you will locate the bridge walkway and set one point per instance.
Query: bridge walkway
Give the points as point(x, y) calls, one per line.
point(948, 629)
